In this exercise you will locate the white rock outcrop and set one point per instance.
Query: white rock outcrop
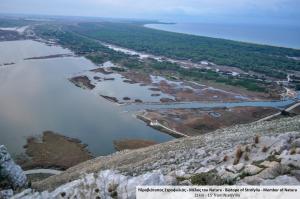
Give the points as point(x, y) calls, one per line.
point(11, 171)
point(6, 194)
point(281, 180)
point(105, 184)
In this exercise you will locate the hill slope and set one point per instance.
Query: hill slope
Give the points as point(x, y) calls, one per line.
point(258, 153)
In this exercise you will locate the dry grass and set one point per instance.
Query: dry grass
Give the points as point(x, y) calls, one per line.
point(246, 157)
point(225, 158)
point(256, 139)
point(238, 155)
point(293, 151)
point(247, 149)
point(264, 149)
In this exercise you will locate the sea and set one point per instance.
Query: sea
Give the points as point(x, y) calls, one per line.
point(274, 35)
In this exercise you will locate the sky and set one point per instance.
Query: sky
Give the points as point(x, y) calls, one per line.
point(251, 11)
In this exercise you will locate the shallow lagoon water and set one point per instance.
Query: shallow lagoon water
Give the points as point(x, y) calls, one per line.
point(120, 89)
point(35, 95)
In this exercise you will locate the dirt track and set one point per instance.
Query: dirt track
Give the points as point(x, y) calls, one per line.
point(198, 121)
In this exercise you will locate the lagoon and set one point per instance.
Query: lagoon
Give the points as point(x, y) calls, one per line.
point(35, 96)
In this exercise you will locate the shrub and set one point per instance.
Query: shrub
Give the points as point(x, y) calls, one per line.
point(246, 157)
point(208, 178)
point(256, 139)
point(264, 149)
point(225, 158)
point(238, 155)
point(247, 149)
point(293, 151)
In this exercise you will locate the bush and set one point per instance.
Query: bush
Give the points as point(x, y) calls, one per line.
point(208, 178)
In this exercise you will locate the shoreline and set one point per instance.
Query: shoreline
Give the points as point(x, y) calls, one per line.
point(180, 122)
point(160, 127)
point(131, 144)
point(182, 96)
point(150, 26)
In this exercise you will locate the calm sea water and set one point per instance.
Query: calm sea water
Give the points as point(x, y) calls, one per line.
point(276, 35)
point(35, 95)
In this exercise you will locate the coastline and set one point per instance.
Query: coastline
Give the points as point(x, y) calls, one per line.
point(205, 33)
point(154, 124)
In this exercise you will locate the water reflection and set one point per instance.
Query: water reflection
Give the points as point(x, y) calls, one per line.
point(35, 96)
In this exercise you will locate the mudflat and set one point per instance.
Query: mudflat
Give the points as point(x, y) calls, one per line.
point(194, 122)
point(82, 82)
point(121, 145)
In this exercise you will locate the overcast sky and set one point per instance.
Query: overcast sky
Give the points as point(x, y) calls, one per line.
point(270, 11)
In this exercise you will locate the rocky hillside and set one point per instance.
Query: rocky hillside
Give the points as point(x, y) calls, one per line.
point(262, 153)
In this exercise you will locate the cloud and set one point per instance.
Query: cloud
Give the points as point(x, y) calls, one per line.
point(156, 9)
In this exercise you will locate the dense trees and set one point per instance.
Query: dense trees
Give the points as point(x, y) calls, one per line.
point(99, 54)
point(272, 61)
point(94, 51)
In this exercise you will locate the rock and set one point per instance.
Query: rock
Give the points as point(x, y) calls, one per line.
point(170, 180)
point(200, 152)
point(105, 184)
point(268, 164)
point(228, 177)
point(185, 183)
point(257, 154)
point(281, 180)
point(252, 169)
point(251, 180)
point(285, 141)
point(290, 160)
point(296, 174)
point(205, 169)
point(179, 173)
point(210, 159)
point(235, 168)
point(11, 171)
point(281, 144)
point(128, 188)
point(241, 183)
point(6, 194)
point(272, 172)
point(26, 194)
point(296, 143)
